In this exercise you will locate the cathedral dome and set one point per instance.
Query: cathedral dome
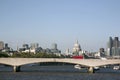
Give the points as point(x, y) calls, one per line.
point(77, 47)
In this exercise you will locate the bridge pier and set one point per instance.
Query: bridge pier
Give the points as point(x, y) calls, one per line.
point(16, 68)
point(91, 70)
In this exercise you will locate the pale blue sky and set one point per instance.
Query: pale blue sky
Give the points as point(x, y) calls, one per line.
point(59, 21)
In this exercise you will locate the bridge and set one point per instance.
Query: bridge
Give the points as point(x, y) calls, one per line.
point(91, 63)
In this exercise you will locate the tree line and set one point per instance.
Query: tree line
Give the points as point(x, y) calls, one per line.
point(29, 55)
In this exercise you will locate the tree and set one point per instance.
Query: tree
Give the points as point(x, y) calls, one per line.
point(37, 55)
point(3, 54)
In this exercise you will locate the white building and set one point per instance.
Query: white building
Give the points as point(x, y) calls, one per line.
point(67, 52)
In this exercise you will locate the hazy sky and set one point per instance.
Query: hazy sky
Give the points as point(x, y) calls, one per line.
point(92, 22)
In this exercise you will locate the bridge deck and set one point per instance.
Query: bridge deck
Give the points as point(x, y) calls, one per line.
point(85, 62)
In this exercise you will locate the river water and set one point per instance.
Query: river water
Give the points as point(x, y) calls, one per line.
point(66, 72)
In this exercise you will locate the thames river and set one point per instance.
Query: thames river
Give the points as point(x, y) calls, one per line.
point(66, 72)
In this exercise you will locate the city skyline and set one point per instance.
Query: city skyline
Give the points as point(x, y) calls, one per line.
point(62, 22)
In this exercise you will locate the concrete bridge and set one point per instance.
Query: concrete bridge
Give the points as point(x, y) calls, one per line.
point(91, 63)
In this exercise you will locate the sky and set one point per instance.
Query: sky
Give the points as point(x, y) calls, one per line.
point(91, 22)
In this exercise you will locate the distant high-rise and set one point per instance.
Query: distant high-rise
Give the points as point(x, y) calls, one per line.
point(102, 50)
point(54, 46)
point(1, 45)
point(7, 48)
point(116, 42)
point(34, 45)
point(110, 45)
point(67, 52)
point(26, 46)
point(113, 47)
point(6, 45)
point(54, 49)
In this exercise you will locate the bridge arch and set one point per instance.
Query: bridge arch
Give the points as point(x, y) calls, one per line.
point(71, 63)
point(6, 64)
point(100, 65)
point(52, 60)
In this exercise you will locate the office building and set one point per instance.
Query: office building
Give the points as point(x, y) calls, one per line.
point(6, 48)
point(34, 45)
point(1, 45)
point(54, 46)
point(26, 46)
point(110, 45)
point(54, 49)
point(6, 45)
point(113, 49)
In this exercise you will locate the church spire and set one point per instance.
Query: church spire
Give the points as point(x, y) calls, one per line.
point(76, 41)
